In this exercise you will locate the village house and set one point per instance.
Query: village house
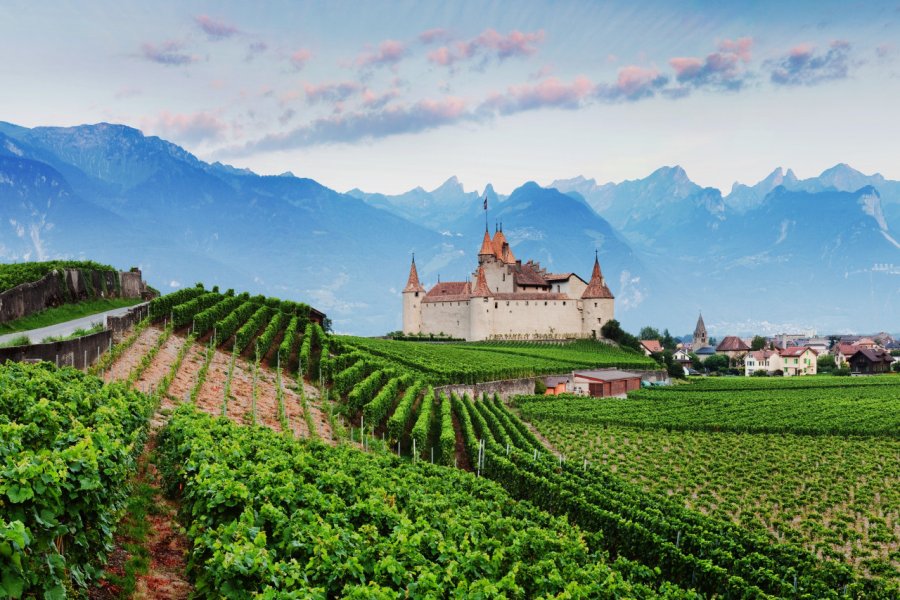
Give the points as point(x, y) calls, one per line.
point(868, 361)
point(734, 348)
point(651, 347)
point(799, 360)
point(509, 300)
point(763, 360)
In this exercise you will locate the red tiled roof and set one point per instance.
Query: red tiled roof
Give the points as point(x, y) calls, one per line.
point(531, 296)
point(527, 274)
point(762, 354)
point(508, 256)
point(597, 286)
point(732, 343)
point(481, 289)
point(558, 276)
point(499, 240)
point(876, 355)
point(652, 346)
point(796, 351)
point(447, 288)
point(486, 246)
point(412, 284)
point(847, 349)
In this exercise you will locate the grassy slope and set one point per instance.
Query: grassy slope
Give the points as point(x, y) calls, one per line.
point(64, 313)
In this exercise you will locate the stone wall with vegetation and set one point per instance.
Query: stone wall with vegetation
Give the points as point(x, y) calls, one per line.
point(79, 352)
point(69, 285)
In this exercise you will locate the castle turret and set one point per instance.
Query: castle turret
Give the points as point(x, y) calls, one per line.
point(412, 301)
point(597, 303)
point(480, 317)
point(487, 248)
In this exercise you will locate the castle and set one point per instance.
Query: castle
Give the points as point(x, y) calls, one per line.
point(509, 300)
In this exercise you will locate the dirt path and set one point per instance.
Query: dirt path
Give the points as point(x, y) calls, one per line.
point(122, 367)
point(536, 433)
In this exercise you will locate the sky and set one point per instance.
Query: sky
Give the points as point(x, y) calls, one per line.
point(387, 96)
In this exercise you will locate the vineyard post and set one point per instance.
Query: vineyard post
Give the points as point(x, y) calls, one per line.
point(85, 360)
point(57, 361)
point(398, 447)
point(414, 450)
point(507, 448)
point(432, 455)
point(678, 539)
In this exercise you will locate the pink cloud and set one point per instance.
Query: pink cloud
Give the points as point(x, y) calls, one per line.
point(489, 43)
point(355, 126)
point(389, 52)
point(190, 128)
point(170, 53)
point(331, 92)
point(299, 58)
point(632, 83)
point(430, 36)
point(372, 99)
point(215, 29)
point(724, 69)
point(550, 92)
point(803, 65)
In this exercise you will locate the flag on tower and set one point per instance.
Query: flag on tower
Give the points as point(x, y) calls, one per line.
point(485, 203)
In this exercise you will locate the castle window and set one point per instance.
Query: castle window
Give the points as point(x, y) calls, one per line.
point(496, 304)
point(545, 303)
point(504, 277)
point(564, 302)
point(507, 302)
point(595, 305)
point(557, 288)
point(417, 294)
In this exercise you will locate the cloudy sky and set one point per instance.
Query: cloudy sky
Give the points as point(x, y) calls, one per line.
point(388, 96)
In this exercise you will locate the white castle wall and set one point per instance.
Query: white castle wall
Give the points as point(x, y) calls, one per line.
point(450, 318)
point(525, 317)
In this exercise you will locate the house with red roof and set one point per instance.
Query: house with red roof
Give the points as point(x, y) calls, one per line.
point(651, 347)
point(763, 360)
point(799, 360)
point(508, 299)
point(734, 348)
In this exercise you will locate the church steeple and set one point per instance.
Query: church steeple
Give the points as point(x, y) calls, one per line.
point(700, 336)
point(412, 284)
point(597, 286)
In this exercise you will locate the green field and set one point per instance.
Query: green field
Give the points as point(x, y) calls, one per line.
point(801, 460)
point(442, 363)
point(66, 312)
point(13, 274)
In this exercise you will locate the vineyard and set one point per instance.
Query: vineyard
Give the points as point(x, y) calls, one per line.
point(294, 463)
point(809, 461)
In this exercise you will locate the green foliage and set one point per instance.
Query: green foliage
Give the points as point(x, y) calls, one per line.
point(161, 307)
point(19, 340)
point(256, 502)
point(758, 342)
point(423, 421)
point(400, 418)
point(65, 312)
point(227, 327)
point(69, 444)
point(14, 274)
point(248, 330)
point(447, 439)
point(287, 343)
point(267, 338)
point(773, 405)
point(611, 330)
point(379, 407)
point(485, 361)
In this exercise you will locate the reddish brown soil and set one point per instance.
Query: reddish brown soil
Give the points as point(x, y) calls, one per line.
point(122, 367)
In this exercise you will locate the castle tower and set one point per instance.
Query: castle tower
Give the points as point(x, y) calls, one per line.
point(412, 301)
point(700, 336)
point(597, 303)
point(480, 316)
point(487, 249)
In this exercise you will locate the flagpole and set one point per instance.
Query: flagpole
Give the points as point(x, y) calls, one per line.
point(485, 214)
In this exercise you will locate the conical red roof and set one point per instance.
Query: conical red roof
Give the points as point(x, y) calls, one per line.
point(487, 246)
point(499, 241)
point(597, 286)
point(481, 287)
point(412, 284)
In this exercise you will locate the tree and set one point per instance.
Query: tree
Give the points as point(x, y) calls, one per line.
point(716, 362)
point(758, 342)
point(649, 333)
point(667, 341)
point(611, 330)
point(825, 363)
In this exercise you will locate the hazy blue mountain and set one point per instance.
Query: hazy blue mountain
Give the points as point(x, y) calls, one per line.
point(434, 209)
point(819, 252)
point(141, 200)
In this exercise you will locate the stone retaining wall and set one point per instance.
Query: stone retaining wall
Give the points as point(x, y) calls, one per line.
point(69, 285)
point(506, 388)
point(79, 353)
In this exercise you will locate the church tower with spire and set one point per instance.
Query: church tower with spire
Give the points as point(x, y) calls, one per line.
point(701, 338)
point(413, 294)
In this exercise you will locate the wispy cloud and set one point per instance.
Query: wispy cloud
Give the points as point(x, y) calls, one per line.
point(186, 128)
point(632, 83)
point(170, 53)
point(128, 92)
point(331, 92)
point(803, 65)
point(364, 125)
point(215, 29)
point(549, 93)
point(723, 69)
point(431, 36)
point(254, 49)
point(489, 44)
point(389, 52)
point(299, 58)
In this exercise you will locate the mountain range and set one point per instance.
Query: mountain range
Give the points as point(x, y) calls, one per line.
point(782, 253)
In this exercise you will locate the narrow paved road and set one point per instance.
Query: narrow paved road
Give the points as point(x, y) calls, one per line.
point(69, 327)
